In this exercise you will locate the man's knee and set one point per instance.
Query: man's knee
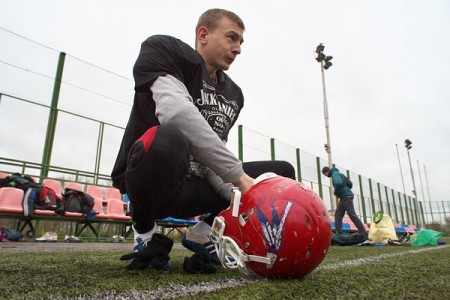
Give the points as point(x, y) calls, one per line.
point(159, 143)
point(163, 136)
point(288, 169)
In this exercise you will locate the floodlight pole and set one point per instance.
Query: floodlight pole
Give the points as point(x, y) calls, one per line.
point(326, 117)
point(401, 172)
point(323, 59)
point(416, 201)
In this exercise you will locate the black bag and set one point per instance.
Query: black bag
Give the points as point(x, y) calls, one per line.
point(345, 239)
point(348, 181)
point(11, 235)
point(19, 181)
point(77, 201)
point(48, 200)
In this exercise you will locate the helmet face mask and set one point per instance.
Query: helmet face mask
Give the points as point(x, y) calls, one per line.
point(280, 228)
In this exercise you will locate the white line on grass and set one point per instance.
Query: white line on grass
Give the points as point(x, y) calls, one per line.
point(180, 290)
point(360, 261)
point(175, 290)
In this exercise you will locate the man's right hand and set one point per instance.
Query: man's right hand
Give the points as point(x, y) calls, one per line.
point(244, 183)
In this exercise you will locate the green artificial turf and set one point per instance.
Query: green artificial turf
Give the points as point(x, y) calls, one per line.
point(85, 275)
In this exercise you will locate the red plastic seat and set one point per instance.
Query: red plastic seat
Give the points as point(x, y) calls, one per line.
point(73, 214)
point(98, 206)
point(115, 210)
point(11, 200)
point(44, 212)
point(112, 193)
point(74, 186)
point(95, 191)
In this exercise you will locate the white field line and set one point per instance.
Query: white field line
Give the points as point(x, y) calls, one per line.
point(360, 261)
point(180, 290)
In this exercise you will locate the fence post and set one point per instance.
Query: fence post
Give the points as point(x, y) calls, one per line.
point(395, 206)
point(52, 118)
point(372, 199)
point(421, 204)
point(299, 165)
point(272, 149)
point(413, 215)
point(431, 211)
point(379, 195)
point(389, 205)
point(319, 179)
point(444, 211)
point(363, 204)
point(98, 157)
point(240, 143)
point(408, 217)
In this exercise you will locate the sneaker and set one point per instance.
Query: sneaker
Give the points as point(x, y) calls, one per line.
point(365, 243)
point(50, 237)
point(141, 239)
point(72, 239)
point(199, 244)
point(140, 243)
point(116, 239)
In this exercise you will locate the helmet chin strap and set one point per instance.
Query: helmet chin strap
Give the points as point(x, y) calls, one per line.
point(230, 254)
point(236, 201)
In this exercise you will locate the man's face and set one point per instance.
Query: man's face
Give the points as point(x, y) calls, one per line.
point(222, 45)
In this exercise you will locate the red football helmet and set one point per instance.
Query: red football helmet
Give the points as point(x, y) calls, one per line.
point(279, 228)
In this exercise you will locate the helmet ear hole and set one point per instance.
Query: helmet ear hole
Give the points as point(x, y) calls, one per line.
point(243, 217)
point(308, 252)
point(308, 222)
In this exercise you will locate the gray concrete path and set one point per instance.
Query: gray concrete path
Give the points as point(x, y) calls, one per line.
point(22, 247)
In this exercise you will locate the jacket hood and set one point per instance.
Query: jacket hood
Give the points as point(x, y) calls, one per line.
point(332, 170)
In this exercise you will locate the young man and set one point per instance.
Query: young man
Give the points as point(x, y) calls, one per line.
point(345, 194)
point(173, 160)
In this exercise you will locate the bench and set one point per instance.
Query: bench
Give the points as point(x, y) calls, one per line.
point(11, 200)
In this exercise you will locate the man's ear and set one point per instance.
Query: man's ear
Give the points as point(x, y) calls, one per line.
point(202, 35)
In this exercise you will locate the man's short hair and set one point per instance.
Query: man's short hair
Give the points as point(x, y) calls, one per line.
point(210, 19)
point(325, 170)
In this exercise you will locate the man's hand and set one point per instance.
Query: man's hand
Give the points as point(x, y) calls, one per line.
point(156, 254)
point(244, 183)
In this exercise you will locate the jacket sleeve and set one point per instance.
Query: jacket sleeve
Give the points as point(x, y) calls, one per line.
point(174, 106)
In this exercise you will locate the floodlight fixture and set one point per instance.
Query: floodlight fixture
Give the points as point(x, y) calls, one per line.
point(320, 48)
point(408, 144)
point(320, 57)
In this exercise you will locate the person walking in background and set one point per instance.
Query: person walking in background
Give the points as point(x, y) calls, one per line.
point(345, 194)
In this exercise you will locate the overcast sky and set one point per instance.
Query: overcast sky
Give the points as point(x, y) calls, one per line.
point(390, 78)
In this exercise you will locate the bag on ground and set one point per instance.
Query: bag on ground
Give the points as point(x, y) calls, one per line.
point(428, 237)
point(10, 235)
point(382, 229)
point(346, 239)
